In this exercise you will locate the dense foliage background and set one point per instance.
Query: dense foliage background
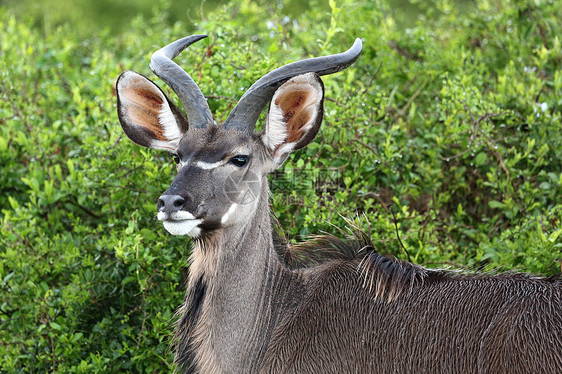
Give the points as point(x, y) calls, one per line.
point(444, 138)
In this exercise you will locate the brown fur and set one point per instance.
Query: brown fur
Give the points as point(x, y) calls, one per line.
point(448, 323)
point(192, 324)
point(345, 308)
point(381, 275)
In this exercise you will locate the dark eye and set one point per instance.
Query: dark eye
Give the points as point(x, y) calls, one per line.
point(239, 160)
point(176, 158)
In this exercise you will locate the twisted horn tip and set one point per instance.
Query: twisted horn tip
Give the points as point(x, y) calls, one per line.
point(175, 48)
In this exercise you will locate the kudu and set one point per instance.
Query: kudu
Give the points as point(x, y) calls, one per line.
point(247, 311)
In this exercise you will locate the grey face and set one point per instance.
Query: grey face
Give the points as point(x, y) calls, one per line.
point(218, 181)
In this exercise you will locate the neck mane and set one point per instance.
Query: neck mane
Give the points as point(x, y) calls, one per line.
point(233, 296)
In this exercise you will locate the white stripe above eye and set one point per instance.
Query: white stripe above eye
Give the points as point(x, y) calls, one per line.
point(207, 165)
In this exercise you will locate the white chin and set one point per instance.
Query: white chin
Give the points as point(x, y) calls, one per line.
point(184, 227)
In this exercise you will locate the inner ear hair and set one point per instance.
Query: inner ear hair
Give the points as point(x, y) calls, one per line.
point(146, 114)
point(295, 113)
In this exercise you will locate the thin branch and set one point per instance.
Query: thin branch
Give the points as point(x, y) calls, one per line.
point(371, 80)
point(416, 94)
point(398, 234)
point(542, 32)
point(374, 151)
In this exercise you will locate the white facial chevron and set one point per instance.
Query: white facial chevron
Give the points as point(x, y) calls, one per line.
point(228, 213)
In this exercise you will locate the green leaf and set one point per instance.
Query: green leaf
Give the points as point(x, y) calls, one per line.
point(480, 158)
point(496, 204)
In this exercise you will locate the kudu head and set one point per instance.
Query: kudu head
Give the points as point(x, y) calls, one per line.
point(221, 168)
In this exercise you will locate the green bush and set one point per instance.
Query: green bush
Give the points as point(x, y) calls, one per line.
point(444, 138)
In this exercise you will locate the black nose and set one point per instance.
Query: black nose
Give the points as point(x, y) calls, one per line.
point(170, 203)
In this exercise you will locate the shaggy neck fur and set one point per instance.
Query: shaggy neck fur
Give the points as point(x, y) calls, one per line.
point(233, 297)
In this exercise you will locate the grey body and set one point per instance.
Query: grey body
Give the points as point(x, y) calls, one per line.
point(264, 317)
point(351, 310)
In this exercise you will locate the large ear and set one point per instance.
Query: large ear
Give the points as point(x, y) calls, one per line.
point(146, 114)
point(295, 115)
